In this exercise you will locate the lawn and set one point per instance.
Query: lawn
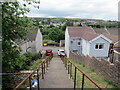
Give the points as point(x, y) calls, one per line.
point(35, 65)
point(90, 72)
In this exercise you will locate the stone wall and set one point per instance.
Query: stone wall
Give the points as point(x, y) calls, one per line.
point(102, 67)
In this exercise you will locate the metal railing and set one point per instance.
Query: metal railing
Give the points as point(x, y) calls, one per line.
point(41, 67)
point(69, 65)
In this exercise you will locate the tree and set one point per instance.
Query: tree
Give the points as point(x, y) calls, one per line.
point(56, 34)
point(13, 27)
point(69, 23)
point(63, 27)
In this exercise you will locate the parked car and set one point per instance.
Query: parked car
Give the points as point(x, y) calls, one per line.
point(61, 52)
point(45, 44)
point(49, 52)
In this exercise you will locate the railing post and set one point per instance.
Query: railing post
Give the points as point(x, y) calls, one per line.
point(68, 67)
point(47, 63)
point(38, 78)
point(75, 78)
point(49, 60)
point(83, 81)
point(42, 71)
point(44, 67)
point(66, 64)
point(30, 82)
point(64, 60)
point(71, 70)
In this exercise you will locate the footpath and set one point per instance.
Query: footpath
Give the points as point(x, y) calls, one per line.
point(56, 75)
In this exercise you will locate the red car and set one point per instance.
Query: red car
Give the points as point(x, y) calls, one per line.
point(49, 52)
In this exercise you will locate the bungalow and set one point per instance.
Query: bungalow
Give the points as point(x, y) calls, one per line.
point(84, 40)
point(33, 42)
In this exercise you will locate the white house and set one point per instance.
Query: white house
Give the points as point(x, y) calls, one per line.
point(33, 42)
point(84, 40)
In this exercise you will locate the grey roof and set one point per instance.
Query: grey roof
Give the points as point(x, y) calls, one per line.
point(89, 33)
point(114, 31)
point(31, 36)
point(20, 42)
point(112, 35)
point(100, 30)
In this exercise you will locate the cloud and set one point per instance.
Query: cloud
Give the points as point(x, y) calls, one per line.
point(100, 9)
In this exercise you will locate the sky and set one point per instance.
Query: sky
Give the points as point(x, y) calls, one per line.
point(85, 9)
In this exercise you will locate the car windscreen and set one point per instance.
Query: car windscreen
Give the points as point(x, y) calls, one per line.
point(62, 51)
point(48, 51)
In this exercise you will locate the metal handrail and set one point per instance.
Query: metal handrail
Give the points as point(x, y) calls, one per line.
point(44, 65)
point(68, 63)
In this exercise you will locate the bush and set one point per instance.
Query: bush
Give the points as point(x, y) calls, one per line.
point(28, 58)
point(36, 56)
point(48, 41)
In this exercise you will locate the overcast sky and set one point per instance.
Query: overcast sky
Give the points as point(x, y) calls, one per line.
point(91, 9)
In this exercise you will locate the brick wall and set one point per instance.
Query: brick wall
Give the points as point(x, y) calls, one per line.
point(101, 67)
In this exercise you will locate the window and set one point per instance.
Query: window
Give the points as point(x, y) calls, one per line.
point(79, 43)
point(96, 46)
point(99, 46)
point(71, 41)
point(75, 51)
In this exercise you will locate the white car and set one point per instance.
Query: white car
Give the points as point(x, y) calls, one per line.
point(61, 52)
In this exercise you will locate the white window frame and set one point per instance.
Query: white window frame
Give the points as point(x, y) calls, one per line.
point(99, 46)
point(78, 44)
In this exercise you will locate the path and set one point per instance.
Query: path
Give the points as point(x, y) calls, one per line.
point(56, 76)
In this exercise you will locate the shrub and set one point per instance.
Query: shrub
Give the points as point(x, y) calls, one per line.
point(36, 56)
point(48, 41)
point(28, 58)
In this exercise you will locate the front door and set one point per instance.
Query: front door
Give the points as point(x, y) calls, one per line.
point(80, 49)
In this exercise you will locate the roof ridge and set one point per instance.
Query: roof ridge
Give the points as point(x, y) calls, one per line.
point(92, 29)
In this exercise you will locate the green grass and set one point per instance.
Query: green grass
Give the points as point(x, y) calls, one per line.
point(35, 65)
point(90, 72)
point(48, 41)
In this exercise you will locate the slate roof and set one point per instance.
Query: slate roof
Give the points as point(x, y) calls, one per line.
point(100, 30)
point(20, 42)
point(112, 37)
point(31, 36)
point(86, 33)
point(113, 31)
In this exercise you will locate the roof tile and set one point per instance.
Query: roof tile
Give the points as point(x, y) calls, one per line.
point(86, 33)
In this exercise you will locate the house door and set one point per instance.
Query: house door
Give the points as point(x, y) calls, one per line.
point(80, 49)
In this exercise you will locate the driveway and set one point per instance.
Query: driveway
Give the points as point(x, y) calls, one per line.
point(54, 48)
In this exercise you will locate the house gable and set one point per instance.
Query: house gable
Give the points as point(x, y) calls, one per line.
point(38, 41)
point(99, 47)
point(101, 36)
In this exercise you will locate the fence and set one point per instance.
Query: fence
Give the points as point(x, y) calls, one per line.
point(116, 56)
point(69, 65)
point(41, 69)
point(110, 71)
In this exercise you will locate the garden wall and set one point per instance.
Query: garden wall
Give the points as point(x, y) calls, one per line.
point(102, 67)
